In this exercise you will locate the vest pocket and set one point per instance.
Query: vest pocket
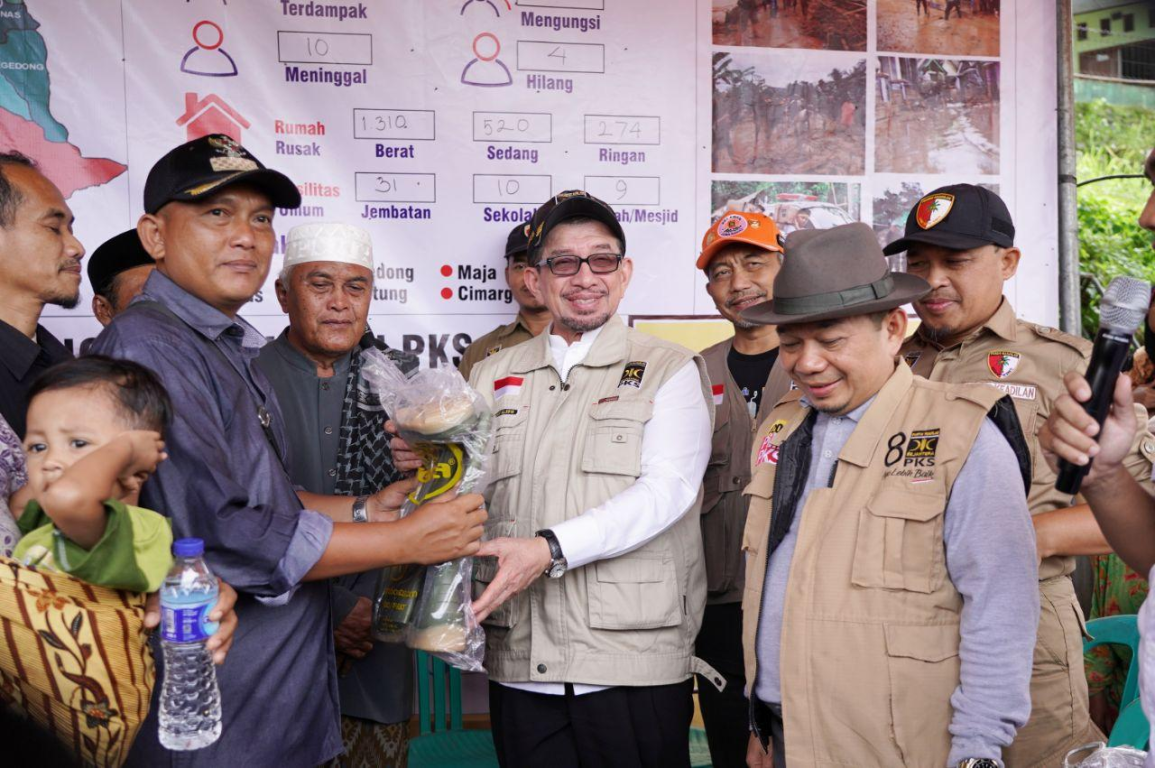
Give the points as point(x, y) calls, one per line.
point(899, 543)
point(614, 440)
point(638, 590)
point(485, 569)
point(508, 440)
point(923, 665)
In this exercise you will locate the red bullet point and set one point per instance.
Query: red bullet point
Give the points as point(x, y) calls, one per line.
point(447, 270)
point(446, 293)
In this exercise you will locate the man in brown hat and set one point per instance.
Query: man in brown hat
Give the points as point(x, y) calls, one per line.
point(960, 239)
point(883, 624)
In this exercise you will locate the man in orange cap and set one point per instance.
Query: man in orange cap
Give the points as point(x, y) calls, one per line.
point(740, 255)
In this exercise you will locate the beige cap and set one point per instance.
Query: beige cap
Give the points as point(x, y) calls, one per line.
point(329, 241)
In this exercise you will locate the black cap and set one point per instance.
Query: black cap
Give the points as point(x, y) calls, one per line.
point(205, 166)
point(517, 243)
point(572, 204)
point(959, 217)
point(114, 256)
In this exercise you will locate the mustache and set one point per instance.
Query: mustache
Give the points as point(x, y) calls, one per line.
point(584, 293)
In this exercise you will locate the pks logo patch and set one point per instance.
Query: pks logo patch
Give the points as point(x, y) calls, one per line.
point(1003, 363)
point(734, 224)
point(768, 452)
point(719, 391)
point(633, 373)
point(932, 209)
point(923, 444)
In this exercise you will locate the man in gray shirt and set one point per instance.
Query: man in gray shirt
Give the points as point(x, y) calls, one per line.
point(338, 445)
point(891, 597)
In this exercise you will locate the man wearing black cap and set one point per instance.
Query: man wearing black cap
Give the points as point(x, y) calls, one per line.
point(884, 623)
point(532, 316)
point(960, 238)
point(39, 265)
point(208, 224)
point(117, 271)
point(601, 438)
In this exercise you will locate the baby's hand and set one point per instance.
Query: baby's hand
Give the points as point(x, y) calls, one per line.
point(146, 451)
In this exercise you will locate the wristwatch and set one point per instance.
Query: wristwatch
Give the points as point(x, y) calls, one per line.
point(360, 510)
point(978, 762)
point(557, 564)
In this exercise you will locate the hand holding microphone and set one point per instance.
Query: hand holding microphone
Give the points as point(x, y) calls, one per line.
point(1069, 433)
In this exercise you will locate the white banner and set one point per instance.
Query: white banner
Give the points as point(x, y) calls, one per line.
point(439, 124)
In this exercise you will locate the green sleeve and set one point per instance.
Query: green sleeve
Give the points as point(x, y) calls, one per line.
point(134, 553)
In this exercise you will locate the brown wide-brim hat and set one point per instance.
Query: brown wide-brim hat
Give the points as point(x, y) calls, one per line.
point(832, 273)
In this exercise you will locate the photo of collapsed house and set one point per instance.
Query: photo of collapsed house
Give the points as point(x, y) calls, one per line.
point(781, 113)
point(939, 27)
point(892, 205)
point(792, 204)
point(834, 25)
point(937, 116)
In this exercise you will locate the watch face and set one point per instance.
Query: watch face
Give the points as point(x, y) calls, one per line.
point(557, 570)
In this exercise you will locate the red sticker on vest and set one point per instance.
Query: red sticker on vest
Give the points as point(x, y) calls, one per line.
point(768, 453)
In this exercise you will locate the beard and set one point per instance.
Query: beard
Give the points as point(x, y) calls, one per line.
point(935, 335)
point(744, 325)
point(64, 301)
point(586, 324)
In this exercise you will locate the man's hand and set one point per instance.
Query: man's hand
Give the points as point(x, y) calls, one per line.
point(353, 636)
point(404, 457)
point(146, 450)
point(1070, 431)
point(385, 505)
point(441, 532)
point(756, 757)
point(224, 613)
point(519, 563)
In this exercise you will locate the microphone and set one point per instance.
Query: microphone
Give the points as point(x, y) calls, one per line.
point(1121, 312)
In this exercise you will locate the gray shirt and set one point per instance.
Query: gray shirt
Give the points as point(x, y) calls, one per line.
point(378, 687)
point(997, 576)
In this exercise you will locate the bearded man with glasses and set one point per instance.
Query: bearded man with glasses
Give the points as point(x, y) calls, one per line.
point(591, 583)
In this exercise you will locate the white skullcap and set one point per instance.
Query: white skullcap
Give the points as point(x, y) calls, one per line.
point(328, 241)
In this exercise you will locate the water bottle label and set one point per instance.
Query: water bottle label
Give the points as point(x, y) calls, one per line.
point(187, 623)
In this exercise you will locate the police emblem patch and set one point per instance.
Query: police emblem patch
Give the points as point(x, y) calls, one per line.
point(734, 224)
point(932, 209)
point(1003, 363)
point(632, 374)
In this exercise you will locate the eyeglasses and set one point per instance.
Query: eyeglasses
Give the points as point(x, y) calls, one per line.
point(600, 264)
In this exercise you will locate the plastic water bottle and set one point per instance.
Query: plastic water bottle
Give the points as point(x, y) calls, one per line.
point(190, 702)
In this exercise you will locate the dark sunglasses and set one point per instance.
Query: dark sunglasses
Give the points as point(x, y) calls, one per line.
point(600, 264)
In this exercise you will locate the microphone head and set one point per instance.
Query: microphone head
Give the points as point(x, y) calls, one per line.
point(1124, 305)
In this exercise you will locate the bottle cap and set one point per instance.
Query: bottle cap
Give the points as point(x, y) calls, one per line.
point(188, 547)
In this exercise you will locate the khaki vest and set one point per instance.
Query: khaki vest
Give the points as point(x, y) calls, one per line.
point(559, 449)
point(870, 632)
point(723, 505)
point(1027, 362)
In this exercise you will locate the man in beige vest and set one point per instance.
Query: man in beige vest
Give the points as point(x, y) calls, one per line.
point(740, 255)
point(601, 438)
point(532, 316)
point(889, 609)
point(960, 238)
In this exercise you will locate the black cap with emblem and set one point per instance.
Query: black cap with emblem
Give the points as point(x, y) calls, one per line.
point(205, 166)
point(959, 217)
point(571, 204)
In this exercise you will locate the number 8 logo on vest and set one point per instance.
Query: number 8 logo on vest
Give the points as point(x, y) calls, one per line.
point(897, 448)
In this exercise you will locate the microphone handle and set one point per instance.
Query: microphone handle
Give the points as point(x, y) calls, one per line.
point(1107, 358)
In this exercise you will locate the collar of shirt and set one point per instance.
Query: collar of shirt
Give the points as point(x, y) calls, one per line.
point(509, 330)
point(566, 356)
point(20, 352)
point(294, 357)
point(206, 320)
point(1002, 323)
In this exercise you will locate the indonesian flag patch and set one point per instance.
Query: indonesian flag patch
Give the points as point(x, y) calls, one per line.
point(719, 390)
point(510, 385)
point(1003, 363)
point(768, 452)
point(932, 209)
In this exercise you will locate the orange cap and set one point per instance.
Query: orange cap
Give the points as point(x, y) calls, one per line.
point(739, 227)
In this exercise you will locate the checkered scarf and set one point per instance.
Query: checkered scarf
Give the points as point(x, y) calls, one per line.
point(364, 461)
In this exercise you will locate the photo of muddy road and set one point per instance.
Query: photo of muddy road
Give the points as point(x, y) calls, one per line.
point(939, 27)
point(792, 204)
point(779, 112)
point(833, 25)
point(937, 116)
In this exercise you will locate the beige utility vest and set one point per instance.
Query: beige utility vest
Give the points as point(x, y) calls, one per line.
point(561, 448)
point(870, 629)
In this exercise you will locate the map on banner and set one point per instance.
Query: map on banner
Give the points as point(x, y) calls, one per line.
point(440, 125)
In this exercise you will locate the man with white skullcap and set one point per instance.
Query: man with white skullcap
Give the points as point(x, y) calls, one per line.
point(339, 446)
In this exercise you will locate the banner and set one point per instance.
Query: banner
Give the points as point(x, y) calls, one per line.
point(439, 125)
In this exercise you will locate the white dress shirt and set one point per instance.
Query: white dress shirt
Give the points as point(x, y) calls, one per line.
point(675, 451)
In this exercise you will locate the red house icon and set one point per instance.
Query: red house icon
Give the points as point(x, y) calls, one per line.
point(210, 115)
